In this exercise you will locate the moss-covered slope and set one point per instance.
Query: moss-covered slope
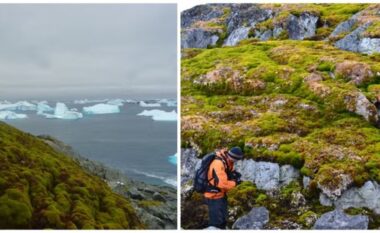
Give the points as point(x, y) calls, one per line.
point(41, 188)
point(293, 102)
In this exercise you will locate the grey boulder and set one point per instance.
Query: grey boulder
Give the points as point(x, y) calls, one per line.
point(338, 220)
point(257, 218)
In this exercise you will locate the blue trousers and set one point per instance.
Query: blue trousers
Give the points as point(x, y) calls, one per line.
point(217, 212)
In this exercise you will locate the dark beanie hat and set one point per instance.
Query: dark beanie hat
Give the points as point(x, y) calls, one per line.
point(235, 153)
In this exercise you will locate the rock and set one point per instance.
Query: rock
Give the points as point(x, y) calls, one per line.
point(236, 36)
point(338, 220)
point(158, 197)
point(306, 181)
point(200, 13)
point(277, 31)
point(366, 196)
point(309, 218)
point(256, 219)
point(343, 27)
point(369, 45)
point(135, 194)
point(357, 72)
point(302, 27)
point(267, 175)
point(266, 35)
point(333, 191)
point(351, 41)
point(325, 200)
point(198, 38)
point(247, 168)
point(246, 15)
point(297, 200)
point(189, 162)
point(358, 103)
point(287, 174)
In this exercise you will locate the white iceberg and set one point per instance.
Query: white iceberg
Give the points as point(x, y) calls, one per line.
point(131, 101)
point(149, 105)
point(9, 115)
point(86, 101)
point(62, 112)
point(101, 109)
point(173, 159)
point(159, 115)
point(43, 107)
point(20, 106)
point(117, 102)
point(168, 102)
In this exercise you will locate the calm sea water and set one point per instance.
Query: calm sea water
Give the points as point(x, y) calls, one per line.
point(136, 145)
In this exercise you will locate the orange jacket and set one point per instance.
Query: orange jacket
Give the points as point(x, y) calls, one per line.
point(218, 168)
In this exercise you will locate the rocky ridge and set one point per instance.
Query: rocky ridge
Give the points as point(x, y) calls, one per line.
point(156, 206)
point(354, 28)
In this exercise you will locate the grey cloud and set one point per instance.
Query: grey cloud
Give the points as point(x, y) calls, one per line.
point(87, 50)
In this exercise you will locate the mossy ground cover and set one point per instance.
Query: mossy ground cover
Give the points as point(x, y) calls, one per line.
point(40, 188)
point(289, 120)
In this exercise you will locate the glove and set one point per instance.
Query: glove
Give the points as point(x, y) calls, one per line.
point(237, 177)
point(238, 181)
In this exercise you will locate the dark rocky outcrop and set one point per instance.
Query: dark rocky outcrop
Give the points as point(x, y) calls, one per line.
point(198, 38)
point(302, 27)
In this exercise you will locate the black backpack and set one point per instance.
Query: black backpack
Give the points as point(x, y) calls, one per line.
point(201, 183)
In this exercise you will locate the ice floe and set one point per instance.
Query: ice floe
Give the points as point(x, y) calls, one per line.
point(173, 159)
point(101, 109)
point(62, 112)
point(20, 106)
point(168, 102)
point(149, 105)
point(9, 115)
point(87, 101)
point(117, 102)
point(159, 115)
point(43, 107)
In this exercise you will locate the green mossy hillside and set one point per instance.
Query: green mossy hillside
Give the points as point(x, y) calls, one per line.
point(291, 102)
point(41, 188)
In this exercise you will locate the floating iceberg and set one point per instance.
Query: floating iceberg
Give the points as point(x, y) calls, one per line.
point(130, 101)
point(159, 115)
point(168, 102)
point(101, 109)
point(9, 115)
point(43, 107)
point(20, 106)
point(149, 105)
point(62, 112)
point(173, 159)
point(117, 102)
point(86, 101)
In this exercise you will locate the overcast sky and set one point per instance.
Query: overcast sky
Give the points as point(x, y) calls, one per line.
point(87, 50)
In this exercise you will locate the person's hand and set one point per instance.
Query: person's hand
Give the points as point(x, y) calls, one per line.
point(238, 181)
point(237, 177)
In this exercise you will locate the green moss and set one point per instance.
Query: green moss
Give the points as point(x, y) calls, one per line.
point(41, 188)
point(149, 203)
point(373, 31)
